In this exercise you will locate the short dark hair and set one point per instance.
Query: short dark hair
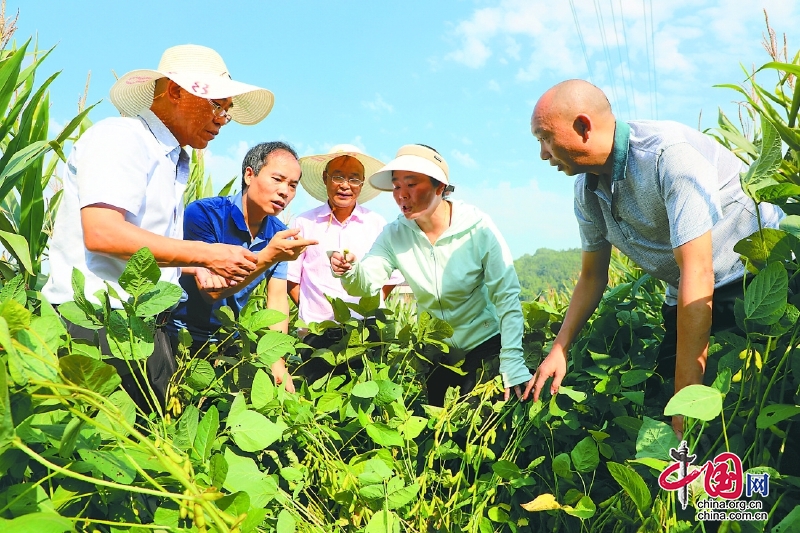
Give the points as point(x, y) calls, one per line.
point(258, 155)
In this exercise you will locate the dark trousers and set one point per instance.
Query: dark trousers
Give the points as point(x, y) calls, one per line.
point(161, 366)
point(722, 319)
point(314, 368)
point(480, 363)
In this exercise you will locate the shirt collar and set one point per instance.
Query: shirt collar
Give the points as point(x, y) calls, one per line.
point(326, 212)
point(237, 213)
point(619, 155)
point(160, 131)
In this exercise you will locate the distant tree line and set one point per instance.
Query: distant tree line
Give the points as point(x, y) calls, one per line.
point(548, 269)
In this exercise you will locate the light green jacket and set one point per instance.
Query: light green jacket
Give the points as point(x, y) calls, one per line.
point(466, 278)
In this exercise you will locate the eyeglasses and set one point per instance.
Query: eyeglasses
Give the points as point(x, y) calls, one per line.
point(219, 112)
point(355, 182)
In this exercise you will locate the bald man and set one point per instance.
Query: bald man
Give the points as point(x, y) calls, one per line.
point(669, 197)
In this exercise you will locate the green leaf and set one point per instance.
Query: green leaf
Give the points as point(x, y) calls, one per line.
point(383, 522)
point(399, 497)
point(218, 470)
point(383, 435)
point(655, 440)
point(34, 361)
point(243, 474)
point(769, 245)
point(366, 389)
point(164, 296)
point(585, 456)
point(286, 522)
point(17, 317)
point(412, 427)
point(631, 378)
point(206, 433)
point(263, 390)
point(768, 161)
point(584, 509)
point(127, 408)
point(261, 319)
point(388, 392)
point(187, 428)
point(695, 401)
point(790, 523)
point(633, 484)
point(89, 373)
point(37, 523)
point(252, 432)
point(576, 396)
point(14, 289)
point(141, 273)
point(200, 374)
point(17, 164)
point(765, 297)
point(6, 421)
point(497, 514)
point(772, 414)
point(73, 313)
point(341, 313)
point(562, 466)
point(506, 469)
point(109, 464)
point(119, 330)
point(273, 345)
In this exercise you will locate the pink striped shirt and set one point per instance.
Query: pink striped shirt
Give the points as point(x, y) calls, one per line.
point(312, 270)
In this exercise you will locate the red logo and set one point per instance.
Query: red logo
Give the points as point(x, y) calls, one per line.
point(723, 476)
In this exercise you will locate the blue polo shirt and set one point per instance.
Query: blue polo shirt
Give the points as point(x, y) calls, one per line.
point(220, 220)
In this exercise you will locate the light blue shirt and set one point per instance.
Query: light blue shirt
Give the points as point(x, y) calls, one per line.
point(670, 184)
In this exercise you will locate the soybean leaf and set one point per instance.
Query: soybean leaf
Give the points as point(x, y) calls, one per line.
point(263, 390)
point(584, 509)
point(383, 522)
point(6, 422)
point(89, 373)
point(655, 440)
point(633, 484)
point(543, 502)
point(695, 401)
point(366, 389)
point(45, 522)
point(498, 514)
point(187, 428)
point(397, 497)
point(769, 158)
point(243, 474)
point(765, 297)
point(506, 469)
point(388, 392)
point(200, 374)
point(252, 432)
point(162, 297)
point(218, 470)
point(286, 522)
point(261, 319)
point(206, 433)
point(585, 456)
point(34, 361)
point(14, 289)
point(328, 402)
point(633, 377)
point(789, 523)
point(768, 244)
point(141, 273)
point(772, 414)
point(412, 427)
point(383, 435)
point(122, 401)
point(109, 464)
point(273, 345)
point(16, 316)
point(561, 466)
point(234, 504)
point(576, 396)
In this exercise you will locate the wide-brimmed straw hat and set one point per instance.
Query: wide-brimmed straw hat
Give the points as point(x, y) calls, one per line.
point(201, 72)
point(414, 158)
point(314, 165)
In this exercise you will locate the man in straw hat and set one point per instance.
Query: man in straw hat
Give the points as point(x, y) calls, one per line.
point(270, 175)
point(124, 185)
point(341, 222)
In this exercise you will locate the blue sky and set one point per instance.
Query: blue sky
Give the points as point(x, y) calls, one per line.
point(461, 76)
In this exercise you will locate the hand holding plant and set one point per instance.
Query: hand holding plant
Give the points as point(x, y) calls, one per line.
point(554, 366)
point(341, 262)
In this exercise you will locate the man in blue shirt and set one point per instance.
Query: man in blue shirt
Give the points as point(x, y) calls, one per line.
point(670, 198)
point(270, 175)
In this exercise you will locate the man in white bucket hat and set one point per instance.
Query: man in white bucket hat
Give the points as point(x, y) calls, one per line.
point(124, 185)
point(337, 179)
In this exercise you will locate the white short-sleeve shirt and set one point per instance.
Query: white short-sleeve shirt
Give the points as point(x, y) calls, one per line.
point(129, 163)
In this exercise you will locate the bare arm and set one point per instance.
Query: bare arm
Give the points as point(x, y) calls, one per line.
point(106, 231)
point(282, 247)
point(587, 294)
point(386, 290)
point(277, 300)
point(695, 296)
point(294, 291)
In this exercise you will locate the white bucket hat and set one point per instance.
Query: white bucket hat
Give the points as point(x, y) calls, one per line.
point(314, 165)
point(415, 158)
point(201, 72)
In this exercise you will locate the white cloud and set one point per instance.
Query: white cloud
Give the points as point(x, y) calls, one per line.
point(378, 105)
point(464, 158)
point(494, 86)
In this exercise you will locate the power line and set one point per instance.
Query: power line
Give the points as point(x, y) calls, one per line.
point(598, 13)
point(627, 53)
point(580, 38)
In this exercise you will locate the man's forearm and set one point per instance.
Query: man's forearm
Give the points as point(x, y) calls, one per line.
point(694, 327)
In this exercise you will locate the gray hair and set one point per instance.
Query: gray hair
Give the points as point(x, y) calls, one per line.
point(258, 155)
